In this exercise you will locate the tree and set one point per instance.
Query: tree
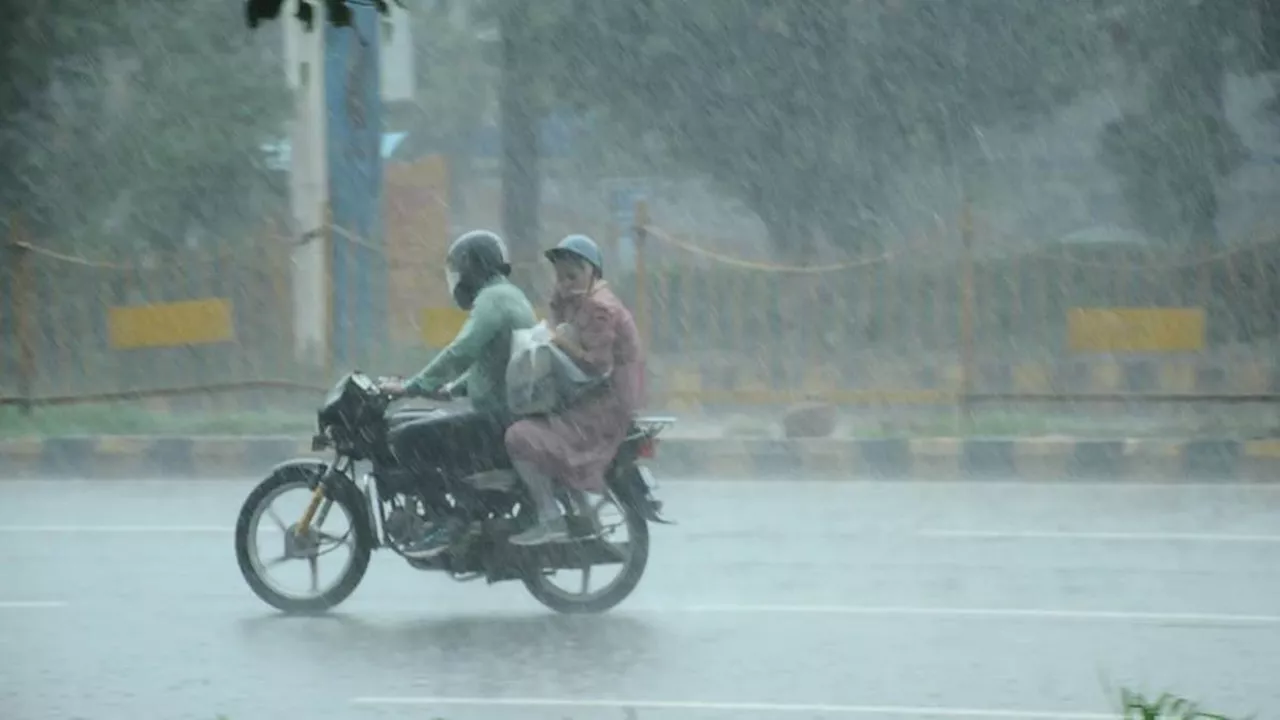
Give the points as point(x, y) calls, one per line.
point(457, 78)
point(1169, 155)
point(144, 123)
point(801, 110)
point(1269, 29)
point(529, 61)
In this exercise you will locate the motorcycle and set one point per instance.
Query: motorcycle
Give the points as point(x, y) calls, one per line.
point(390, 505)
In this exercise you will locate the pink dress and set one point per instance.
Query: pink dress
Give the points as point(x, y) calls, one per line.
point(577, 445)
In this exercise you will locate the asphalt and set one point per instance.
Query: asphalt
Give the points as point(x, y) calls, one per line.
point(122, 600)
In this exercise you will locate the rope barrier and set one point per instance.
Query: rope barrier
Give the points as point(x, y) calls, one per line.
point(662, 236)
point(189, 256)
point(1056, 253)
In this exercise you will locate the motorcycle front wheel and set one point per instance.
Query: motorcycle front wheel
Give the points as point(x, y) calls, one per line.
point(265, 547)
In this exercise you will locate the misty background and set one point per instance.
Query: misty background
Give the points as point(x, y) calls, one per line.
point(796, 134)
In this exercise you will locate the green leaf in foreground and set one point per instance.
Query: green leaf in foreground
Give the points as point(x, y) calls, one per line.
point(1166, 707)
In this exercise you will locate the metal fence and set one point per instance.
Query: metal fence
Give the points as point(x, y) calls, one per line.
point(75, 328)
point(943, 320)
point(934, 322)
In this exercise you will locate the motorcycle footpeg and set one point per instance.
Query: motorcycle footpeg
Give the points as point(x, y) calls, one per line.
point(582, 528)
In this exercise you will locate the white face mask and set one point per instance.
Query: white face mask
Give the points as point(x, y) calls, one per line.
point(451, 277)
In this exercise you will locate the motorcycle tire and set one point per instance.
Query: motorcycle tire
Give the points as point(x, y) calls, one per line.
point(624, 585)
point(344, 493)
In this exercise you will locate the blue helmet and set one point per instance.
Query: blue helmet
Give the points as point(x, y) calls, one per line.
point(579, 246)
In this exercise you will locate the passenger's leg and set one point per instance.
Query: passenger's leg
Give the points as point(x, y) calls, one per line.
point(550, 526)
point(586, 505)
point(523, 448)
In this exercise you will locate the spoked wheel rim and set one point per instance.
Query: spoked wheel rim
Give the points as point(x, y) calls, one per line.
point(615, 520)
point(275, 545)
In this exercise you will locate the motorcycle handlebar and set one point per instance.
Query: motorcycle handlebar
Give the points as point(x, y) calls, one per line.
point(413, 391)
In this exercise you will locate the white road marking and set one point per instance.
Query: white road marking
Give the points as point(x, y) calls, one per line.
point(996, 613)
point(179, 529)
point(31, 604)
point(1096, 535)
point(935, 534)
point(807, 708)
point(1183, 618)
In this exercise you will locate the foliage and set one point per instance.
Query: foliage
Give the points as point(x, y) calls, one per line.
point(1269, 29)
point(1169, 154)
point(456, 75)
point(142, 122)
point(127, 419)
point(1166, 707)
point(457, 79)
point(802, 110)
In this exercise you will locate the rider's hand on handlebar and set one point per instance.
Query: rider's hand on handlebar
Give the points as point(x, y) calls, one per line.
point(396, 388)
point(393, 387)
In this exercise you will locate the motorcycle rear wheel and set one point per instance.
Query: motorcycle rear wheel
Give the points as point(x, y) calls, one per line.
point(347, 497)
point(618, 590)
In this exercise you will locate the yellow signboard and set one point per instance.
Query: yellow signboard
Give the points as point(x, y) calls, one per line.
point(191, 322)
point(417, 233)
point(1135, 329)
point(440, 325)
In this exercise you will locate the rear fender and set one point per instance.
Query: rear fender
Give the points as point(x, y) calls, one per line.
point(629, 485)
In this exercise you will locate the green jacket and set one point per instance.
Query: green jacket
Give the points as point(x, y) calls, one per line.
point(482, 348)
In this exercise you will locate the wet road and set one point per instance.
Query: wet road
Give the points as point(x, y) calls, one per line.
point(122, 600)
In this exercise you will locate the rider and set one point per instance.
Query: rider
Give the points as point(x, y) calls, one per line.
point(465, 443)
point(576, 446)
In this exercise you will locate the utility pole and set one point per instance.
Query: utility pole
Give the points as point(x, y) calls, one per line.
point(521, 171)
point(960, 178)
point(308, 186)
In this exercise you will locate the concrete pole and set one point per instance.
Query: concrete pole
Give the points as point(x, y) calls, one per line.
point(309, 187)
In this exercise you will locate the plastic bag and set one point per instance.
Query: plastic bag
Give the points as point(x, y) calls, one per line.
point(541, 378)
point(531, 386)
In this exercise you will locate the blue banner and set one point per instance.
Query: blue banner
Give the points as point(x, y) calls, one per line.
point(358, 268)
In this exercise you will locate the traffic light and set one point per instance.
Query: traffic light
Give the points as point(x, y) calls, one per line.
point(258, 10)
point(337, 11)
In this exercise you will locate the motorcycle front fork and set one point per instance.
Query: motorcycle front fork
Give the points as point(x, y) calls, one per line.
point(373, 504)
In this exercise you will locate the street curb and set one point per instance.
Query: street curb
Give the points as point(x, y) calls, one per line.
point(1022, 459)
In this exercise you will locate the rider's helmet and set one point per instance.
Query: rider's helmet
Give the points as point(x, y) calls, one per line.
point(473, 259)
point(581, 247)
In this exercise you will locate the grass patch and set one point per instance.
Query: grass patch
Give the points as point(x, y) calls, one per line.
point(1081, 423)
point(136, 419)
point(748, 426)
point(127, 419)
point(1013, 424)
